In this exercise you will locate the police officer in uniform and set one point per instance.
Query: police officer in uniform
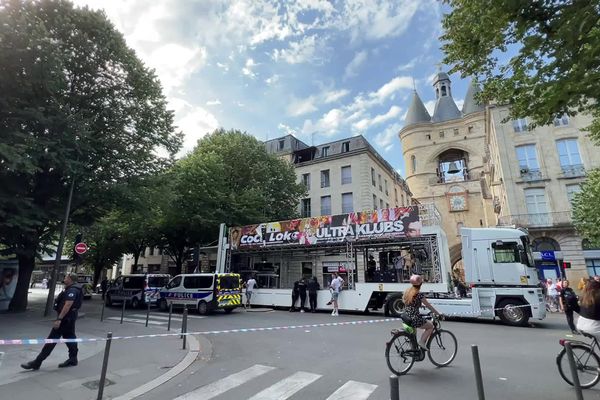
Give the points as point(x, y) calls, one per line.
point(67, 305)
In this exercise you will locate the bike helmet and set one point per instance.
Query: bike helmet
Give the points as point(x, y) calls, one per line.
point(416, 280)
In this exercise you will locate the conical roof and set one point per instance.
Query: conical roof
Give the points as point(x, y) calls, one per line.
point(417, 113)
point(445, 109)
point(471, 105)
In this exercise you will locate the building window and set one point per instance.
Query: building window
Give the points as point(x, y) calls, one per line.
point(305, 208)
point(373, 176)
point(572, 190)
point(325, 151)
point(413, 163)
point(151, 252)
point(345, 147)
point(326, 205)
point(387, 205)
point(568, 152)
point(386, 188)
point(347, 203)
point(428, 137)
point(381, 203)
point(443, 90)
point(402, 198)
point(562, 121)
point(441, 134)
point(281, 144)
point(379, 179)
point(456, 132)
point(520, 125)
point(537, 207)
point(374, 202)
point(593, 266)
point(528, 163)
point(346, 175)
point(396, 195)
point(325, 178)
point(470, 129)
point(306, 180)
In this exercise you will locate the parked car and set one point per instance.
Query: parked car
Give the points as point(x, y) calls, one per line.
point(86, 284)
point(136, 289)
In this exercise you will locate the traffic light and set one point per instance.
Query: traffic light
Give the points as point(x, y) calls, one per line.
point(566, 265)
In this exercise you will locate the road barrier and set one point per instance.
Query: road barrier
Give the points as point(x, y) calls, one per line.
point(170, 313)
point(477, 368)
point(104, 366)
point(394, 388)
point(575, 377)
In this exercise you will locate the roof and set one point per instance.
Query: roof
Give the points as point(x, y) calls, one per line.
point(416, 112)
point(440, 76)
point(445, 109)
point(471, 105)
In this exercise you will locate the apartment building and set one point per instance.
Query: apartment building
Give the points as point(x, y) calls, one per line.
point(342, 176)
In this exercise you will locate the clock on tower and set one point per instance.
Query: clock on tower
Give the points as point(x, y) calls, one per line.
point(457, 199)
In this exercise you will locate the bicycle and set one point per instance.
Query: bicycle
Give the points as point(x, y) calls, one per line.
point(587, 361)
point(403, 350)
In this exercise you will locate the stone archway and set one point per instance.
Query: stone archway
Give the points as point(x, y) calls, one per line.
point(455, 254)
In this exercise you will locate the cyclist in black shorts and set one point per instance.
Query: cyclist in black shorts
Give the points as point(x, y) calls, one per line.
point(413, 300)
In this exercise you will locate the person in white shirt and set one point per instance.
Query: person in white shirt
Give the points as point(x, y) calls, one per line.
point(250, 284)
point(336, 287)
point(552, 294)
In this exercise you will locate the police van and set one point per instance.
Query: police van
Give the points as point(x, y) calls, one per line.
point(204, 292)
point(137, 289)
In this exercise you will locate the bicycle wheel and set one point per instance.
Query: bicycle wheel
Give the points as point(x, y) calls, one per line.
point(442, 348)
point(399, 353)
point(587, 363)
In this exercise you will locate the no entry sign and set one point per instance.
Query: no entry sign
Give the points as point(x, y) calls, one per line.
point(81, 248)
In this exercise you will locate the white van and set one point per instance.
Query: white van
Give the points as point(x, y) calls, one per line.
point(204, 292)
point(137, 289)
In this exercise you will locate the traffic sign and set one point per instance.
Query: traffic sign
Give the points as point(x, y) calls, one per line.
point(81, 248)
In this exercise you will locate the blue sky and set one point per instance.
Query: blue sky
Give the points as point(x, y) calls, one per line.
point(321, 70)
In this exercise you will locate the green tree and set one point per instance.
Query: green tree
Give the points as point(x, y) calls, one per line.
point(75, 104)
point(585, 208)
point(228, 178)
point(541, 57)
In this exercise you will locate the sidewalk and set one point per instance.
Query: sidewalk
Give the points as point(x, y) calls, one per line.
point(132, 363)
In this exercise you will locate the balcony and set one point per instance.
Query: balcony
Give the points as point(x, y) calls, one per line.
point(531, 175)
point(541, 220)
point(573, 171)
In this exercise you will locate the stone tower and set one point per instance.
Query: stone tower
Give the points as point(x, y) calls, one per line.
point(445, 158)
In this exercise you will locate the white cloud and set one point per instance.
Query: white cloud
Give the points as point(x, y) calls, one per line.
point(334, 95)
point(288, 130)
point(215, 102)
point(223, 66)
point(272, 80)
point(390, 88)
point(352, 68)
point(328, 124)
point(195, 122)
point(393, 112)
point(301, 106)
point(430, 106)
point(388, 137)
point(248, 68)
point(409, 65)
point(299, 52)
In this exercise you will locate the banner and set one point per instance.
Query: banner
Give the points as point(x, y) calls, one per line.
point(356, 226)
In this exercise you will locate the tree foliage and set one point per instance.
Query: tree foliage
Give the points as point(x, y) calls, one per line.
point(586, 212)
point(555, 47)
point(75, 104)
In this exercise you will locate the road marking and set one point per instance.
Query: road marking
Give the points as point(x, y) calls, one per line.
point(286, 388)
point(161, 317)
point(353, 390)
point(137, 321)
point(223, 385)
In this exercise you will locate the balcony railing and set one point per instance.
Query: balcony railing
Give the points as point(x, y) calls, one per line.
point(573, 171)
point(539, 220)
point(531, 174)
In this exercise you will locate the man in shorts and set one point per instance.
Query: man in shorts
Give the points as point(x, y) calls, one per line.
point(336, 287)
point(250, 284)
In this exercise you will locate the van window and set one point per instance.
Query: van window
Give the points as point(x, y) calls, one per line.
point(230, 282)
point(506, 252)
point(157, 281)
point(175, 282)
point(198, 282)
point(133, 282)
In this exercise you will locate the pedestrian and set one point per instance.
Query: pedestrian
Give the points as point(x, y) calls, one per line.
point(552, 295)
point(302, 293)
point(44, 283)
point(103, 287)
point(335, 286)
point(67, 305)
point(589, 313)
point(295, 295)
point(313, 288)
point(250, 285)
point(568, 304)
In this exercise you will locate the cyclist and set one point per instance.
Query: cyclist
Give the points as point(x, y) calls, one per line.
point(589, 314)
point(413, 300)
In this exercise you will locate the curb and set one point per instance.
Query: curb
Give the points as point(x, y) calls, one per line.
point(258, 309)
point(189, 358)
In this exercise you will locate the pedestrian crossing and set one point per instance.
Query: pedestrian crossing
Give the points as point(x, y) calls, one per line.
point(281, 390)
point(156, 320)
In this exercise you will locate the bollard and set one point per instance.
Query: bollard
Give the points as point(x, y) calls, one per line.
point(170, 313)
point(576, 383)
point(184, 326)
point(147, 313)
point(123, 310)
point(102, 313)
point(394, 388)
point(477, 367)
point(104, 366)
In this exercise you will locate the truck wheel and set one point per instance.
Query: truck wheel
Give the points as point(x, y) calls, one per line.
point(202, 308)
point(395, 305)
point(512, 314)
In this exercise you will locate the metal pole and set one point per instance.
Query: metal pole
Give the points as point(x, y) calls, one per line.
point(184, 326)
point(147, 312)
point(104, 366)
point(123, 310)
point(477, 367)
point(576, 383)
point(59, 249)
point(394, 388)
point(170, 313)
point(103, 307)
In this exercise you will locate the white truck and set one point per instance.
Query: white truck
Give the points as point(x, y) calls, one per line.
point(498, 269)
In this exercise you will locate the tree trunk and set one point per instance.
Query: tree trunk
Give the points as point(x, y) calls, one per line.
point(26, 266)
point(97, 272)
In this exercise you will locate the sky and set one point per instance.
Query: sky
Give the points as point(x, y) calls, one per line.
point(320, 70)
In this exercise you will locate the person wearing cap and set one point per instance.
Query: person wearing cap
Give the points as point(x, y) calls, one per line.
point(413, 301)
point(66, 305)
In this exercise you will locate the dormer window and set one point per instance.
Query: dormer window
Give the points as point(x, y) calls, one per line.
point(281, 144)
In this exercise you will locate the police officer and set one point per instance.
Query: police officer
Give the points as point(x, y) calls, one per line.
point(67, 304)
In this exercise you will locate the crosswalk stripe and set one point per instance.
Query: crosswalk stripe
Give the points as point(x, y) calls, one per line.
point(223, 385)
point(166, 318)
point(137, 321)
point(287, 387)
point(353, 390)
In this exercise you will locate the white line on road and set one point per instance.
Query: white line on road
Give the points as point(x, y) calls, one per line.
point(162, 317)
point(353, 390)
point(223, 385)
point(137, 321)
point(286, 388)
